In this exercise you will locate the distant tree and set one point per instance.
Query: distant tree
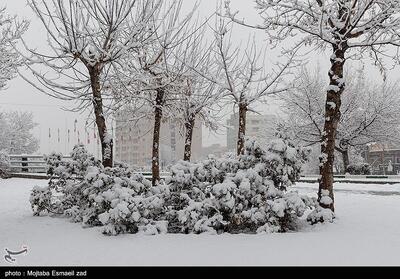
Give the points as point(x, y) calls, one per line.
point(16, 133)
point(369, 113)
point(4, 164)
point(349, 29)
point(4, 135)
point(10, 32)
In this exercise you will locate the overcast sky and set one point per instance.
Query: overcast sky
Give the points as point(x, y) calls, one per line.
point(49, 113)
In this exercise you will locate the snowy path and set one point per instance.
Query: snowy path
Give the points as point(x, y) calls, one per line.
point(366, 232)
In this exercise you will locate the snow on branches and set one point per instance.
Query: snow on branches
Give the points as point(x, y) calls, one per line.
point(10, 60)
point(158, 80)
point(369, 112)
point(4, 164)
point(242, 76)
point(16, 137)
point(86, 40)
point(351, 29)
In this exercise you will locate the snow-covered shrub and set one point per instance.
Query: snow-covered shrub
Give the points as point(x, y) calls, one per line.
point(133, 210)
point(41, 200)
point(359, 169)
point(111, 191)
point(5, 165)
point(286, 160)
point(66, 177)
point(85, 191)
point(243, 194)
point(321, 214)
point(236, 194)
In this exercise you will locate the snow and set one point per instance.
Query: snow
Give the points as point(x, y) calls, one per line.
point(325, 199)
point(332, 105)
point(364, 233)
point(334, 88)
point(323, 159)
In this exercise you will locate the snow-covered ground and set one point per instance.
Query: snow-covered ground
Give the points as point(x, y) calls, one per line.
point(366, 232)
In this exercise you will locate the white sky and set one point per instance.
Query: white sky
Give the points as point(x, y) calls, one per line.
point(48, 112)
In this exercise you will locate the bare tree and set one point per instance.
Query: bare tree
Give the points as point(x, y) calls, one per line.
point(152, 76)
point(10, 32)
point(369, 113)
point(86, 38)
point(200, 99)
point(243, 76)
point(200, 102)
point(351, 29)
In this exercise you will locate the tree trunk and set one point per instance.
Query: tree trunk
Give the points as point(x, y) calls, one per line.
point(332, 117)
point(189, 126)
point(242, 128)
point(346, 159)
point(105, 139)
point(155, 169)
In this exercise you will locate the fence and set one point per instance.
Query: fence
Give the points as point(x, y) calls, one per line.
point(356, 179)
point(33, 164)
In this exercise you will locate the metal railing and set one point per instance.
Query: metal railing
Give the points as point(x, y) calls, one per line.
point(29, 163)
point(357, 179)
point(34, 166)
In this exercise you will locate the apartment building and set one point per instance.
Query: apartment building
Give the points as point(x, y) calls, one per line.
point(133, 142)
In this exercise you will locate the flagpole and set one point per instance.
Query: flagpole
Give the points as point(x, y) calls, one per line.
point(58, 141)
point(65, 137)
point(75, 130)
point(49, 142)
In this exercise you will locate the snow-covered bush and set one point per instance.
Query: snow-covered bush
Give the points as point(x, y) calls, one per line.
point(321, 214)
point(243, 194)
point(359, 169)
point(41, 200)
point(133, 210)
point(66, 177)
point(236, 194)
point(5, 165)
point(86, 192)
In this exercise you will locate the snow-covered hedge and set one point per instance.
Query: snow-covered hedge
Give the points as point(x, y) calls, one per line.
point(247, 193)
point(359, 169)
point(4, 164)
point(243, 194)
